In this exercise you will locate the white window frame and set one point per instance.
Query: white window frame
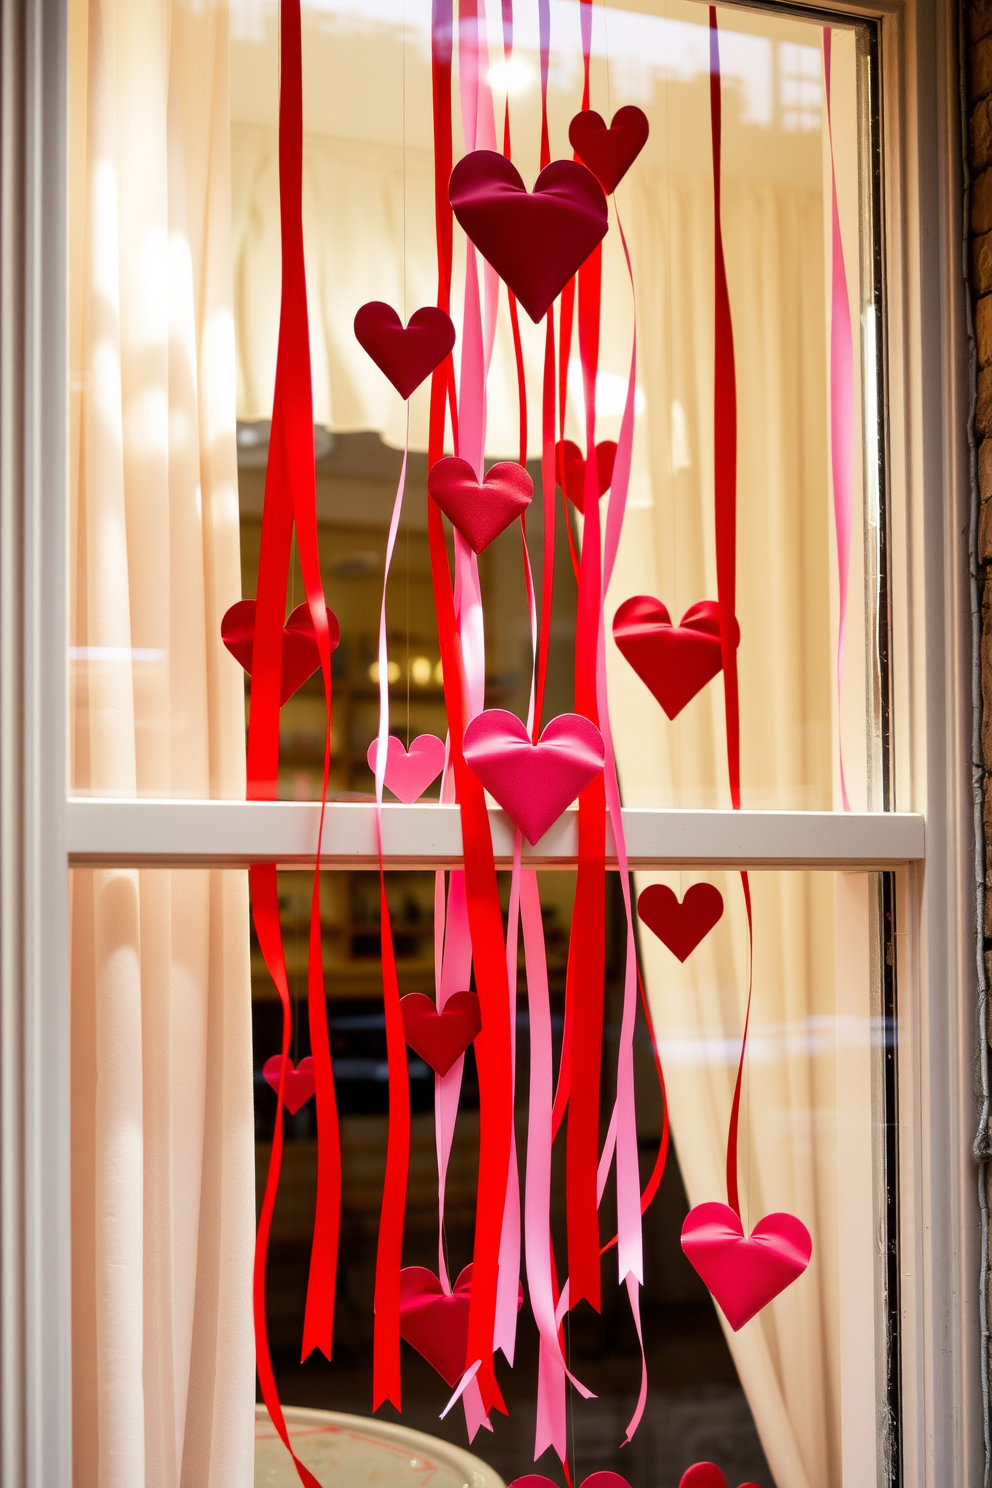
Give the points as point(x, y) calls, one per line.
point(42, 832)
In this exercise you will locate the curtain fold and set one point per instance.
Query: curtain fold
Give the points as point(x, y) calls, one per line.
point(163, 1142)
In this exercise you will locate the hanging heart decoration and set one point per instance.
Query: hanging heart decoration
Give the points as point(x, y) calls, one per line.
point(744, 1272)
point(674, 661)
point(707, 1475)
point(440, 1038)
point(609, 153)
point(534, 783)
point(300, 656)
point(480, 511)
point(535, 240)
point(406, 354)
point(680, 926)
point(571, 466)
point(410, 771)
point(298, 1082)
point(435, 1322)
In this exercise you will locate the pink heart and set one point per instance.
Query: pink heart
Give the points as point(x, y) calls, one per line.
point(480, 512)
point(680, 926)
point(744, 1274)
point(298, 1085)
point(572, 469)
point(609, 153)
point(300, 657)
point(435, 1323)
point(406, 355)
point(410, 771)
point(440, 1037)
point(674, 661)
point(533, 782)
point(534, 240)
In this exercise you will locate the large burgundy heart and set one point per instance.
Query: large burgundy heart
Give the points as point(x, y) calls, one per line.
point(674, 661)
point(436, 1324)
point(410, 771)
point(440, 1038)
point(534, 240)
point(405, 354)
point(609, 153)
point(745, 1273)
point(572, 469)
point(300, 657)
point(533, 782)
point(680, 926)
point(480, 512)
point(298, 1085)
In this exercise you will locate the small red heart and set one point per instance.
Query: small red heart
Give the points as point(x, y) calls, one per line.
point(572, 469)
point(440, 1038)
point(609, 153)
point(703, 1475)
point(300, 656)
point(605, 1479)
point(744, 1273)
point(406, 355)
point(674, 661)
point(435, 1323)
point(534, 240)
point(480, 512)
point(680, 926)
point(298, 1085)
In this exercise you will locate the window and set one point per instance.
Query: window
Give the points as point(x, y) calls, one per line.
point(169, 824)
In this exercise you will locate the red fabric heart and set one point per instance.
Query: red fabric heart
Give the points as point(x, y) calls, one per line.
point(674, 661)
point(744, 1274)
point(440, 1038)
point(298, 1086)
point(406, 355)
point(410, 771)
point(533, 782)
point(572, 469)
point(300, 657)
point(480, 512)
point(436, 1324)
point(534, 240)
point(680, 926)
point(609, 153)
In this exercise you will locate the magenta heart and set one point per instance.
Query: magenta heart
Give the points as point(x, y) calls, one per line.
point(406, 355)
point(534, 240)
point(533, 782)
point(480, 512)
point(674, 661)
point(300, 657)
point(680, 926)
point(744, 1273)
point(594, 1480)
point(609, 153)
point(410, 771)
point(298, 1084)
point(440, 1037)
point(572, 469)
point(435, 1323)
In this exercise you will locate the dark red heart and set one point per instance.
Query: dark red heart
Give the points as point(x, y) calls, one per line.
point(298, 1085)
point(703, 1475)
point(680, 926)
point(440, 1038)
point(609, 153)
point(674, 661)
point(406, 355)
point(534, 240)
point(435, 1323)
point(572, 469)
point(300, 657)
point(480, 512)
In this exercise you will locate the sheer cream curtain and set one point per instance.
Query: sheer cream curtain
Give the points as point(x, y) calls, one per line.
point(162, 1155)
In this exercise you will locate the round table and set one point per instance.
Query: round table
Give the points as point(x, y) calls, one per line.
point(359, 1452)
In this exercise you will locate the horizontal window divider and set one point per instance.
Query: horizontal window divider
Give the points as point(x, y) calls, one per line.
point(226, 834)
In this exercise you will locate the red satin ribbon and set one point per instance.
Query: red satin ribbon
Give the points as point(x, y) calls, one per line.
point(725, 522)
